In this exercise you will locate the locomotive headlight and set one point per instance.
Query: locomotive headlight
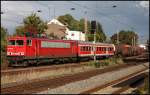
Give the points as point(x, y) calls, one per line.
point(8, 53)
point(22, 53)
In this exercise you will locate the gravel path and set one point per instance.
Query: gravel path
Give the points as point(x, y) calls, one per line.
point(79, 86)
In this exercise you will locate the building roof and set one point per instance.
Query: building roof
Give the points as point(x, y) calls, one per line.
point(55, 21)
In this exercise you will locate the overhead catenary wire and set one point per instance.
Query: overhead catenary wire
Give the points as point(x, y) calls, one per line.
point(49, 8)
point(103, 14)
point(11, 20)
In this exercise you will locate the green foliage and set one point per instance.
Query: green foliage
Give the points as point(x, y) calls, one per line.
point(20, 30)
point(74, 24)
point(81, 25)
point(100, 35)
point(125, 37)
point(4, 35)
point(106, 62)
point(32, 23)
point(94, 64)
point(112, 60)
point(68, 20)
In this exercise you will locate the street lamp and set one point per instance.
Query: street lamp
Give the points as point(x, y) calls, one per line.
point(117, 37)
point(39, 11)
point(85, 26)
point(114, 6)
point(2, 12)
point(79, 32)
point(72, 8)
point(133, 39)
point(45, 5)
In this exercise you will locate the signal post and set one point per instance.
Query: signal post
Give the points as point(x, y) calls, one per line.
point(93, 26)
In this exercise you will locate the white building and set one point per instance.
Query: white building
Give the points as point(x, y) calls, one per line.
point(60, 30)
point(56, 29)
point(142, 46)
point(75, 35)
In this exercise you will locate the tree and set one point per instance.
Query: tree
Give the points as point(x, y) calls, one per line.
point(20, 30)
point(32, 23)
point(81, 25)
point(4, 35)
point(68, 20)
point(74, 24)
point(100, 35)
point(125, 37)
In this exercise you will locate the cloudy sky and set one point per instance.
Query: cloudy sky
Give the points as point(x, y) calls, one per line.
point(127, 15)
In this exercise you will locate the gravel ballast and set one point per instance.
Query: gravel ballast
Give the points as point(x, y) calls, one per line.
point(80, 86)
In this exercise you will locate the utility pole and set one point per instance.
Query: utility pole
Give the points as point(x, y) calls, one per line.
point(134, 41)
point(94, 26)
point(54, 12)
point(94, 45)
point(117, 38)
point(49, 13)
point(85, 26)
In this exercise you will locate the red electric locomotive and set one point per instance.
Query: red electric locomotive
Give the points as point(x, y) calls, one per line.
point(23, 51)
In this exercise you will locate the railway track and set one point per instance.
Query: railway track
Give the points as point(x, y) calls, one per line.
point(142, 58)
point(37, 86)
point(135, 59)
point(135, 84)
point(20, 74)
point(117, 86)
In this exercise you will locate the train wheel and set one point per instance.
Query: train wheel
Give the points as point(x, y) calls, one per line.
point(37, 63)
point(25, 63)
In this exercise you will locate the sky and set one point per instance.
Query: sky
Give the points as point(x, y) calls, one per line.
point(127, 15)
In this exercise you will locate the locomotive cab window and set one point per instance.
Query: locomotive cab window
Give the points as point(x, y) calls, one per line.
point(29, 42)
point(19, 42)
point(11, 42)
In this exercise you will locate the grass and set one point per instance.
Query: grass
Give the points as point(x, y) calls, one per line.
point(106, 62)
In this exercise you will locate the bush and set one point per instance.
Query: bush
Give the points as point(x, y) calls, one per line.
point(94, 64)
point(97, 64)
point(106, 62)
point(119, 61)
